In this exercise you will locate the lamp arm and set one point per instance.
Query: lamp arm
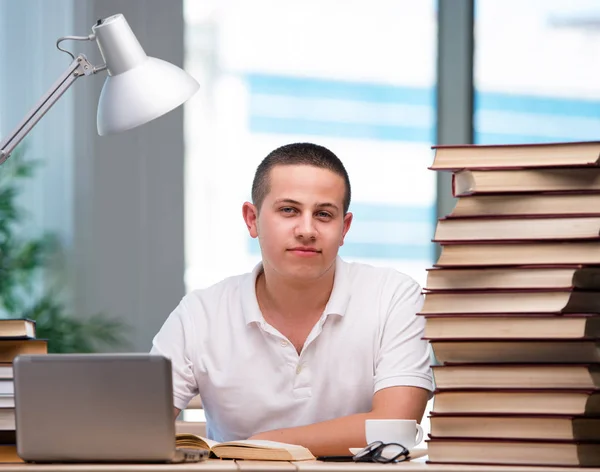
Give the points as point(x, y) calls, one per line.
point(80, 66)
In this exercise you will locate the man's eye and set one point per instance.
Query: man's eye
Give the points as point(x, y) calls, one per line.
point(323, 214)
point(288, 210)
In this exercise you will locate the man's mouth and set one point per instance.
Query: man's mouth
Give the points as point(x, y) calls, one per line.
point(304, 249)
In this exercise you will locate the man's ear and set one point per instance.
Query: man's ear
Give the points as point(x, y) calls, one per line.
point(250, 214)
point(347, 222)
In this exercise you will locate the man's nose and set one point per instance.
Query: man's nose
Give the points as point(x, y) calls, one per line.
point(306, 227)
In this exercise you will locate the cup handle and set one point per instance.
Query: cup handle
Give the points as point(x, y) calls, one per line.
point(419, 434)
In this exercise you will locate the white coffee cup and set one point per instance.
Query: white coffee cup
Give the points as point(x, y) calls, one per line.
point(406, 432)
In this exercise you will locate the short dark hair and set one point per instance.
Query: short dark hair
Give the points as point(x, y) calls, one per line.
point(297, 154)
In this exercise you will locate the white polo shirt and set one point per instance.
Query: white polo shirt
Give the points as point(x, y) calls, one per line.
point(250, 377)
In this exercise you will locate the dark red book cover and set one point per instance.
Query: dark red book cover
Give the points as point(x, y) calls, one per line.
point(510, 315)
point(526, 145)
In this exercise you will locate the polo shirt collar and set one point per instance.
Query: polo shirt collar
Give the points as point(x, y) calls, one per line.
point(250, 306)
point(340, 295)
point(336, 305)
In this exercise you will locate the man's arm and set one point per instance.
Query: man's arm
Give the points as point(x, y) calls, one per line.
point(175, 341)
point(335, 437)
point(403, 357)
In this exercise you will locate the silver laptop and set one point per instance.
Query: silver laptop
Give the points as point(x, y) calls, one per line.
point(96, 408)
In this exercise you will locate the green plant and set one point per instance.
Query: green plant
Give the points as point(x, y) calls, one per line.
point(23, 260)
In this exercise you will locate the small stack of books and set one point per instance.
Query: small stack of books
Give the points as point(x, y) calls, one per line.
point(17, 336)
point(512, 307)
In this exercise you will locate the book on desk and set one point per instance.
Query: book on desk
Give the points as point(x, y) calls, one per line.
point(245, 449)
point(17, 336)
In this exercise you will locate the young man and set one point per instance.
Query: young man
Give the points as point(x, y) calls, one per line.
point(306, 347)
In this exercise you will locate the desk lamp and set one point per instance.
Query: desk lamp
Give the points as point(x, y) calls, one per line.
point(137, 90)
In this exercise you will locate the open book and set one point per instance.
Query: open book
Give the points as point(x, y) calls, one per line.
point(245, 449)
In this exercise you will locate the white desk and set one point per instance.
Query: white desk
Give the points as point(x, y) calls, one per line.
point(268, 466)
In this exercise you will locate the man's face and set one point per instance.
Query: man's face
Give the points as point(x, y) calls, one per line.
point(301, 223)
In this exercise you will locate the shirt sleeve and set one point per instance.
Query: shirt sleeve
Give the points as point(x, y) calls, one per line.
point(404, 357)
point(175, 341)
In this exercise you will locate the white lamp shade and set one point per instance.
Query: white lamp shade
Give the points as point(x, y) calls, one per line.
point(142, 94)
point(138, 88)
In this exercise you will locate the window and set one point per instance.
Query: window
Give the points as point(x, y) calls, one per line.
point(358, 79)
point(536, 71)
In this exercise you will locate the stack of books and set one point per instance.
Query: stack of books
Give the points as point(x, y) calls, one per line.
point(512, 307)
point(17, 336)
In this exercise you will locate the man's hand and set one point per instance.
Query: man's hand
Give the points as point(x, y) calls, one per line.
point(176, 411)
point(337, 436)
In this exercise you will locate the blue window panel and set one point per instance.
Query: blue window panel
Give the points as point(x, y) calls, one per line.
point(503, 118)
point(380, 212)
point(409, 252)
point(307, 87)
point(542, 105)
point(270, 125)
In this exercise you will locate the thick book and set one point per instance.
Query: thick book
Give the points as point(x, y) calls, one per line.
point(7, 387)
point(512, 325)
point(528, 204)
point(517, 254)
point(517, 228)
point(6, 370)
point(512, 426)
point(7, 419)
point(514, 452)
point(493, 181)
point(7, 401)
point(512, 301)
point(517, 376)
point(17, 328)
point(549, 351)
point(9, 349)
point(453, 157)
point(511, 278)
point(245, 449)
point(521, 401)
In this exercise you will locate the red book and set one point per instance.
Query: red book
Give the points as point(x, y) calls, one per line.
point(513, 181)
point(575, 204)
point(523, 376)
point(529, 401)
point(512, 301)
point(472, 156)
point(543, 253)
point(516, 350)
point(513, 278)
point(518, 228)
point(511, 326)
point(515, 426)
point(514, 452)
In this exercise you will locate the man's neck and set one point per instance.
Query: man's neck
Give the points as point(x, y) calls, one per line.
point(292, 299)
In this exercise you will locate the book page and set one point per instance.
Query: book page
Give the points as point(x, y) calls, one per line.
point(185, 439)
point(261, 444)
